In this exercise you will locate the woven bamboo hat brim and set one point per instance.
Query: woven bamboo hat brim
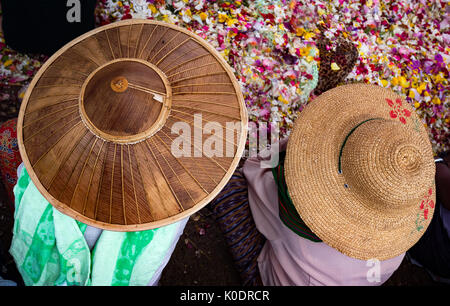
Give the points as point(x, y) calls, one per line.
point(95, 126)
point(360, 171)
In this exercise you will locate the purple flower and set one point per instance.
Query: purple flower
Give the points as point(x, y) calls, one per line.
point(438, 58)
point(415, 64)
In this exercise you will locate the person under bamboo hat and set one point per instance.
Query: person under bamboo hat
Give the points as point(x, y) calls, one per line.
point(357, 175)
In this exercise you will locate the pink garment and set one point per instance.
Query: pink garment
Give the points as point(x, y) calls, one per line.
point(290, 260)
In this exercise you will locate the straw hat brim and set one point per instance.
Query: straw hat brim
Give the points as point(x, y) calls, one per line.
point(331, 209)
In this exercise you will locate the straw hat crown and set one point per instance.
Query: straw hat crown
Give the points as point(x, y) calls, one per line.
point(384, 161)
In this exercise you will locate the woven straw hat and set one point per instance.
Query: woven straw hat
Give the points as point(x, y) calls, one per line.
point(95, 128)
point(359, 168)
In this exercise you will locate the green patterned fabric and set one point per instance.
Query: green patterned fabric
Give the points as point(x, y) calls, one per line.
point(49, 247)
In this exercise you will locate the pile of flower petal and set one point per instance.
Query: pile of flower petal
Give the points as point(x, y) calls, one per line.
point(271, 45)
point(16, 70)
point(402, 45)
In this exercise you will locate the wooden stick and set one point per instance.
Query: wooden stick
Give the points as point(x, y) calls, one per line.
point(206, 111)
point(58, 85)
point(123, 187)
point(148, 39)
point(188, 61)
point(182, 55)
point(86, 57)
point(60, 102)
point(176, 175)
point(201, 84)
point(45, 127)
point(207, 102)
point(153, 57)
point(100, 184)
point(146, 89)
point(128, 42)
point(153, 47)
point(109, 43)
point(48, 115)
point(134, 187)
point(179, 93)
point(193, 115)
point(71, 172)
point(92, 175)
point(59, 139)
point(170, 52)
point(82, 170)
point(190, 69)
point(181, 164)
point(142, 180)
point(210, 158)
point(120, 43)
point(112, 183)
point(138, 40)
point(164, 175)
point(198, 76)
point(193, 159)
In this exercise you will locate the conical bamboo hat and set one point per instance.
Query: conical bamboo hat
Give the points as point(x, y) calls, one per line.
point(132, 126)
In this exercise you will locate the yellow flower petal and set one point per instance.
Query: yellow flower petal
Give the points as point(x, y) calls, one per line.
point(299, 31)
point(403, 82)
point(8, 62)
point(436, 100)
point(152, 8)
point(421, 88)
point(223, 17)
point(309, 35)
point(335, 67)
point(203, 16)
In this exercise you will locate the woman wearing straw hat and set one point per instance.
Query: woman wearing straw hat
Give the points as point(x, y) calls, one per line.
point(351, 194)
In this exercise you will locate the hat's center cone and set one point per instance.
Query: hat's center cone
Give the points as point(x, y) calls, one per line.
point(125, 100)
point(119, 84)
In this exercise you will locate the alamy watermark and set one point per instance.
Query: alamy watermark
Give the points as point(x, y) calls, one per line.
point(374, 273)
point(74, 11)
point(214, 139)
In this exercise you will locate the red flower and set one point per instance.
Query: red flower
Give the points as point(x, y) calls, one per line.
point(402, 114)
point(427, 202)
